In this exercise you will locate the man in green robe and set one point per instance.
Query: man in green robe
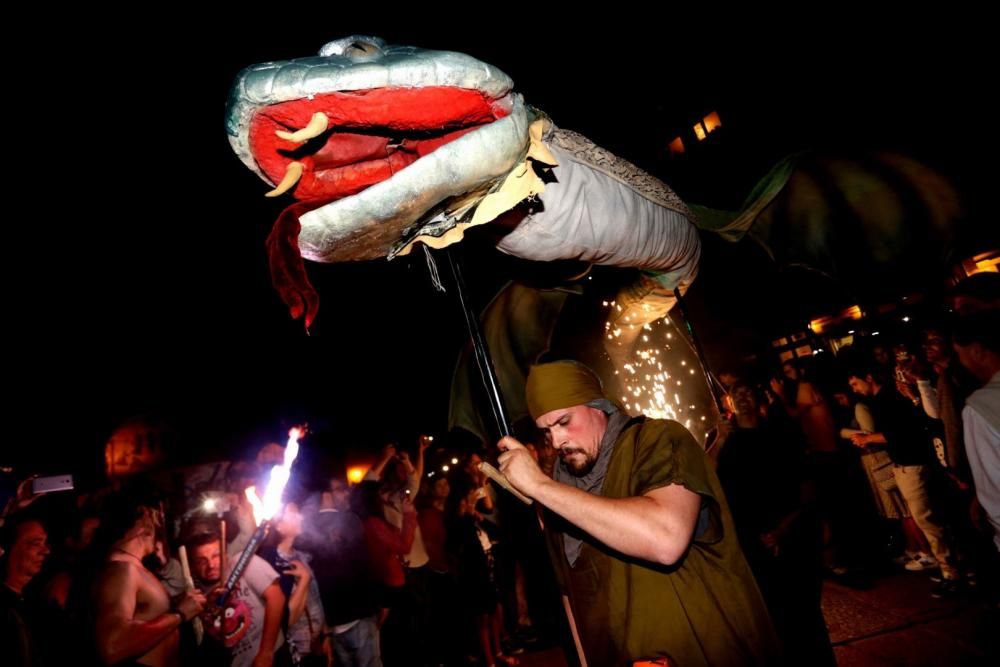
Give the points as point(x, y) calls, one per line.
point(651, 559)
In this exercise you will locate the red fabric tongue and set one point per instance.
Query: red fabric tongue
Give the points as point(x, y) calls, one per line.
point(346, 148)
point(288, 270)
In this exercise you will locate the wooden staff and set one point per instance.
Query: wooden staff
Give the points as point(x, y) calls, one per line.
point(222, 545)
point(199, 629)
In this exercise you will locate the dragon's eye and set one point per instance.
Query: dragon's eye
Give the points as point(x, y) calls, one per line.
point(361, 49)
point(356, 47)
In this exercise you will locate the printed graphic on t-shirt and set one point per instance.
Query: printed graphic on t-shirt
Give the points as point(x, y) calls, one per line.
point(231, 624)
point(239, 625)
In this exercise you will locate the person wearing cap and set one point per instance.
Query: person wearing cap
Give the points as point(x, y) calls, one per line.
point(649, 554)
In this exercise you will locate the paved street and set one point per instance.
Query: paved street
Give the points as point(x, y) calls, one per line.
point(896, 622)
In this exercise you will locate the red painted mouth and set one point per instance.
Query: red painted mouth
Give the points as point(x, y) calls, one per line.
point(372, 135)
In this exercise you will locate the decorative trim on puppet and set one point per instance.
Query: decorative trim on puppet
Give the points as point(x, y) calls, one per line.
point(477, 208)
point(623, 171)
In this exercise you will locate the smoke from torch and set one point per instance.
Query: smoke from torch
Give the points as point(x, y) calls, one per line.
point(264, 509)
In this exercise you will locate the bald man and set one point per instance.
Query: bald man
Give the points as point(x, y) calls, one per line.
point(650, 555)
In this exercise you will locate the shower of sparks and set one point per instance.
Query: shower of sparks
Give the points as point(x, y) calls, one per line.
point(653, 376)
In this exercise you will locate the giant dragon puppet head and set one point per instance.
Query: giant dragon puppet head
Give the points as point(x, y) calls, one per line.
point(384, 146)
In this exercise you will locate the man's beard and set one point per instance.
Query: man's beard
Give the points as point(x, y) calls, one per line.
point(578, 470)
point(209, 581)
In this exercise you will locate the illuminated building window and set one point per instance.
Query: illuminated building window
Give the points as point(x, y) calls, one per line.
point(676, 146)
point(821, 324)
point(988, 262)
point(699, 131)
point(711, 122)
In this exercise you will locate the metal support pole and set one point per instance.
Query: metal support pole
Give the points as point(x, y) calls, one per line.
point(492, 385)
point(479, 347)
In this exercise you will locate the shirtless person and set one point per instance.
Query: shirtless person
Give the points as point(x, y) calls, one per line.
point(136, 621)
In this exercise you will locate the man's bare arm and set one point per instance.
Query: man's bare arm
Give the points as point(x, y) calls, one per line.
point(274, 604)
point(119, 635)
point(656, 527)
point(417, 474)
point(375, 472)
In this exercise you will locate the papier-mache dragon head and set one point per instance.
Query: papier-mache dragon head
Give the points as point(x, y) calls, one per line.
point(374, 137)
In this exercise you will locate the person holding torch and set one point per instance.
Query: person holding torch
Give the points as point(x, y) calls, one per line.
point(249, 604)
point(248, 623)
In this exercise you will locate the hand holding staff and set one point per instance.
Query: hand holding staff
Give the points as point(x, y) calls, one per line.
point(500, 479)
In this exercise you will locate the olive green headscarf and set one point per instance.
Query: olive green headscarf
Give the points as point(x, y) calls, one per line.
point(563, 384)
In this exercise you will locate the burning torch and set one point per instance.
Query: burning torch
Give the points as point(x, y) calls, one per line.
point(264, 510)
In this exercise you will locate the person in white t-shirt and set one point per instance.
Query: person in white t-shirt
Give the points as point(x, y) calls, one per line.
point(248, 624)
point(977, 343)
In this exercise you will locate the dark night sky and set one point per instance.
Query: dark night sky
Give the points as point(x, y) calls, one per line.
point(137, 279)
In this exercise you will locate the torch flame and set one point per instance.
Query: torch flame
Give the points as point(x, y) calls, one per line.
point(265, 508)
